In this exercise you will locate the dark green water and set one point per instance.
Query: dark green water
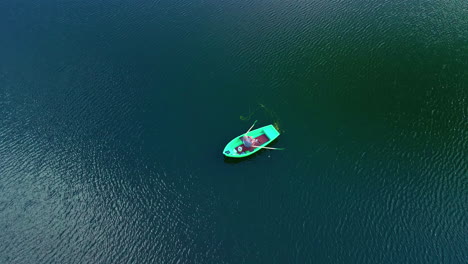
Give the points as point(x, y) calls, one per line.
point(114, 114)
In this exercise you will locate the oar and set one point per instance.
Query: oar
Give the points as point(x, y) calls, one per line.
point(268, 148)
point(251, 127)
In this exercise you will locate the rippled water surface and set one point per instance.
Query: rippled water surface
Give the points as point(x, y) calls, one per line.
point(113, 116)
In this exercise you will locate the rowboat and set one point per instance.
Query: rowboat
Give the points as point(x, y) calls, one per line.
point(264, 136)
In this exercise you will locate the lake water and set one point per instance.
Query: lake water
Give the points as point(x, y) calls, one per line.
point(114, 115)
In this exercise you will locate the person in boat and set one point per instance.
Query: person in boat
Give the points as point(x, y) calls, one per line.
point(249, 141)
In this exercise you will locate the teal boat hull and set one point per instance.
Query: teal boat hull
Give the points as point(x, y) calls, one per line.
point(232, 148)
